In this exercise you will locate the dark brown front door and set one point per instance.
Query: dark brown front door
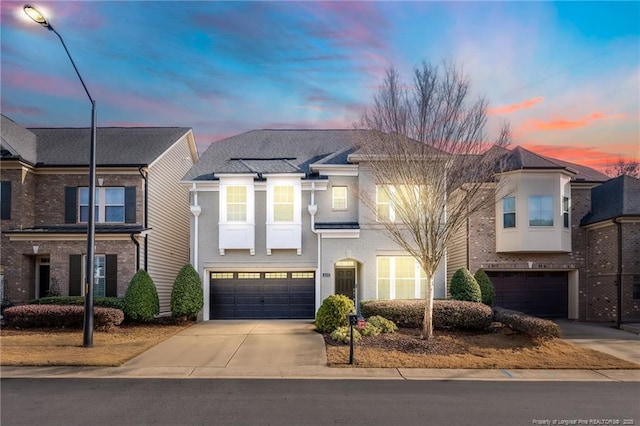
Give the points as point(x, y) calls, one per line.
point(346, 282)
point(43, 280)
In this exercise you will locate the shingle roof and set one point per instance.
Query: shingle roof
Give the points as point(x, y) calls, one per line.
point(266, 149)
point(114, 145)
point(17, 142)
point(615, 198)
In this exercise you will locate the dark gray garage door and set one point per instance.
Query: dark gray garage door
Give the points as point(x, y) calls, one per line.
point(254, 295)
point(543, 294)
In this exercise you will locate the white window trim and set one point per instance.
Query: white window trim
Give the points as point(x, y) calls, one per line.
point(417, 280)
point(515, 212)
point(247, 182)
point(334, 198)
point(272, 182)
point(101, 203)
point(103, 276)
point(553, 219)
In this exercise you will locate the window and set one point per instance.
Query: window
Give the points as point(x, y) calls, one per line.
point(509, 212)
point(339, 198)
point(109, 205)
point(390, 200)
point(636, 287)
point(221, 275)
point(275, 275)
point(236, 203)
point(383, 202)
point(5, 202)
point(400, 278)
point(302, 275)
point(99, 274)
point(283, 203)
point(565, 211)
point(540, 210)
point(248, 275)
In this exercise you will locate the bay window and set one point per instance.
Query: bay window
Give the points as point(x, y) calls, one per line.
point(540, 210)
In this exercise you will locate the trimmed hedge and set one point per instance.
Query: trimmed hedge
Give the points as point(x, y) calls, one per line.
point(447, 314)
point(333, 313)
point(527, 324)
point(486, 286)
point(61, 316)
point(465, 287)
point(104, 302)
point(186, 296)
point(141, 301)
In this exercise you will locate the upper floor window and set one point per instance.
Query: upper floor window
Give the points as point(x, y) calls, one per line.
point(509, 212)
point(109, 205)
point(393, 200)
point(5, 194)
point(540, 210)
point(565, 211)
point(383, 203)
point(236, 203)
point(339, 198)
point(283, 203)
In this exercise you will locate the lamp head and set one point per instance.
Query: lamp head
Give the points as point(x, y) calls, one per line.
point(36, 16)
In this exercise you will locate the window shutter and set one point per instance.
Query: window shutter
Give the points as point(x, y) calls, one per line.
point(5, 191)
point(130, 204)
point(111, 275)
point(75, 275)
point(70, 204)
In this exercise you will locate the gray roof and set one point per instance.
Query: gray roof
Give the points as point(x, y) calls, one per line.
point(615, 198)
point(270, 151)
point(115, 146)
point(17, 142)
point(521, 158)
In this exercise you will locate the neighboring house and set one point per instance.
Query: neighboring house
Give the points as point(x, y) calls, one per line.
point(279, 224)
point(142, 215)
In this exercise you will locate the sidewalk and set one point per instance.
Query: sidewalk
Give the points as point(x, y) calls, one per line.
point(293, 350)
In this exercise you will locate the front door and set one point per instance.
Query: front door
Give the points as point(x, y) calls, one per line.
point(346, 282)
point(43, 277)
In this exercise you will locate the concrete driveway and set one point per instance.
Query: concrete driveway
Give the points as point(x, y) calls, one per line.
point(248, 345)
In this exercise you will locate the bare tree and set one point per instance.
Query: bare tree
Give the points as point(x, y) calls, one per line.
point(623, 166)
point(427, 153)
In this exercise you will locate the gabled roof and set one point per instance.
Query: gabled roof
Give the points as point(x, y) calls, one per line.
point(615, 198)
point(521, 158)
point(17, 142)
point(270, 151)
point(115, 146)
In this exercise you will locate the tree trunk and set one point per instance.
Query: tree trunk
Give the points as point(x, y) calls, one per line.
point(427, 322)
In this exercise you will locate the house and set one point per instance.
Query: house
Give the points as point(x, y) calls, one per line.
point(142, 215)
point(278, 224)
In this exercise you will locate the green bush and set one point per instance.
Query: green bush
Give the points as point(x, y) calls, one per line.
point(104, 302)
point(486, 287)
point(382, 323)
point(186, 297)
point(369, 330)
point(342, 334)
point(527, 324)
point(447, 314)
point(333, 313)
point(465, 287)
point(141, 299)
point(72, 316)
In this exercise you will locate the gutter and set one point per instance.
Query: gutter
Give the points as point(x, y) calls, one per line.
point(133, 238)
point(146, 215)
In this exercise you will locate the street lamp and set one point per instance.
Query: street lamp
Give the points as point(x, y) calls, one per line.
point(87, 339)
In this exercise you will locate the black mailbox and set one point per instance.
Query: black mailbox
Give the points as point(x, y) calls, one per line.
point(353, 319)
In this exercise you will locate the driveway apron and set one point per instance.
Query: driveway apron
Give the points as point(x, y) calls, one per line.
point(240, 344)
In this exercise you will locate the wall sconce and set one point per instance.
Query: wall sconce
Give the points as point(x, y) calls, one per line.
point(35, 249)
point(530, 263)
point(100, 181)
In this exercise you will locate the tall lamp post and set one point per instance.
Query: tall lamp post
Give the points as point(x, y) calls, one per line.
point(87, 336)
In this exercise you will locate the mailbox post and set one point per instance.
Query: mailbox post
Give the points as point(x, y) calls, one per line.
point(353, 321)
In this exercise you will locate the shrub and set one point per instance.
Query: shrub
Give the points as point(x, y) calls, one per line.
point(141, 299)
point(382, 323)
point(72, 316)
point(527, 324)
point(104, 302)
point(369, 330)
point(465, 287)
point(342, 334)
point(333, 313)
point(447, 314)
point(4, 304)
point(186, 297)
point(486, 287)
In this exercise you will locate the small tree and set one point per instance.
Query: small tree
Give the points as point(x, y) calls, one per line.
point(486, 287)
point(465, 287)
point(141, 301)
point(186, 297)
point(623, 166)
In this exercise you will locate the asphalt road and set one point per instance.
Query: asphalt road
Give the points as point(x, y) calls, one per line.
point(315, 402)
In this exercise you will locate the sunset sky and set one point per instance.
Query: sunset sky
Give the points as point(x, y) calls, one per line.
point(566, 75)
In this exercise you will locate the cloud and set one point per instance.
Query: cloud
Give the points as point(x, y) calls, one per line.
point(507, 109)
point(565, 124)
point(586, 156)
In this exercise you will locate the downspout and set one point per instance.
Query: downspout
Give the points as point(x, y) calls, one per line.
point(146, 216)
point(619, 290)
point(313, 209)
point(135, 241)
point(195, 211)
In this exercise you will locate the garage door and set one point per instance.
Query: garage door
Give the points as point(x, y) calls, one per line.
point(254, 295)
point(543, 294)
